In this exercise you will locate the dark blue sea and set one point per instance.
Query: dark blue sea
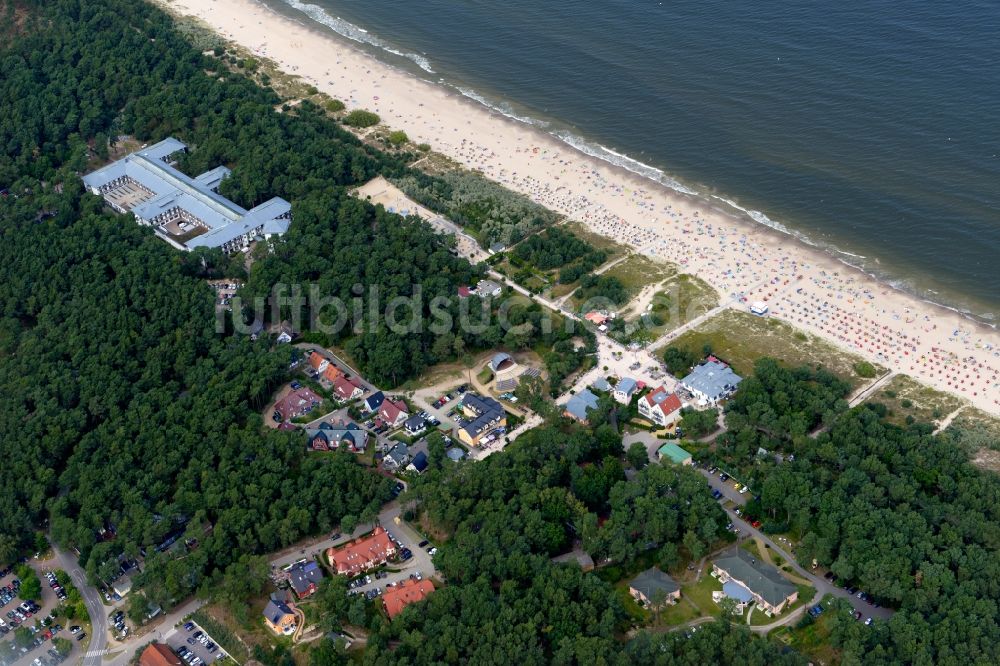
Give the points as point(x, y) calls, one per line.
point(868, 127)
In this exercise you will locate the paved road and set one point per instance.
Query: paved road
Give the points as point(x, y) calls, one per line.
point(69, 563)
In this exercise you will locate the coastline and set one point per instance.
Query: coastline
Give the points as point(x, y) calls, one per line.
point(741, 258)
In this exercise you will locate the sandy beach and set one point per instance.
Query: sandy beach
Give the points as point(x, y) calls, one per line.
point(743, 260)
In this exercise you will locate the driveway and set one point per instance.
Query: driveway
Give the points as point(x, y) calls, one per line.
point(823, 586)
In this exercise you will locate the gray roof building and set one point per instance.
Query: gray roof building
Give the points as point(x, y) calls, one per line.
point(186, 212)
point(487, 410)
point(415, 424)
point(601, 384)
point(580, 404)
point(712, 381)
point(759, 577)
point(397, 457)
point(305, 578)
point(455, 453)
point(651, 581)
point(500, 360)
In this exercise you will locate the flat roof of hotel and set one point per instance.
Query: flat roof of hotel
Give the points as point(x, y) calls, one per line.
point(171, 188)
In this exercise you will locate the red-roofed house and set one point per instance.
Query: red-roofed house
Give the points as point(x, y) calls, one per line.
point(347, 389)
point(318, 361)
point(159, 654)
point(403, 594)
point(596, 318)
point(332, 373)
point(298, 402)
point(363, 554)
point(393, 412)
point(464, 292)
point(660, 407)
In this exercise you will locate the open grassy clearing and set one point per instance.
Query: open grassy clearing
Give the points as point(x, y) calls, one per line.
point(662, 308)
point(700, 595)
point(979, 434)
point(635, 272)
point(905, 397)
point(741, 338)
point(638, 271)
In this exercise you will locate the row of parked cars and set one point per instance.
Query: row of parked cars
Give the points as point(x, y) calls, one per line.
point(56, 585)
point(118, 619)
point(8, 592)
point(443, 400)
point(20, 614)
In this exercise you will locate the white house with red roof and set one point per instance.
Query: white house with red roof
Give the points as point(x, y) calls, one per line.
point(660, 407)
point(393, 412)
point(347, 389)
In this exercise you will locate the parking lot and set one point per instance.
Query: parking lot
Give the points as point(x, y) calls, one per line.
point(15, 612)
point(194, 646)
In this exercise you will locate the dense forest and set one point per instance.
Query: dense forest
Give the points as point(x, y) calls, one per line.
point(123, 400)
point(129, 419)
point(899, 512)
point(505, 600)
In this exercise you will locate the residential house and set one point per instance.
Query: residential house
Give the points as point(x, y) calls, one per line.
point(711, 382)
point(654, 588)
point(362, 554)
point(305, 578)
point(159, 654)
point(601, 384)
point(625, 389)
point(674, 454)
point(374, 401)
point(332, 373)
point(286, 333)
point(482, 417)
point(415, 425)
point(396, 458)
point(404, 593)
point(464, 292)
point(347, 389)
point(297, 403)
point(770, 590)
point(660, 407)
point(318, 362)
point(596, 318)
point(330, 436)
point(256, 329)
point(580, 404)
point(418, 464)
point(393, 412)
point(279, 618)
point(488, 289)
